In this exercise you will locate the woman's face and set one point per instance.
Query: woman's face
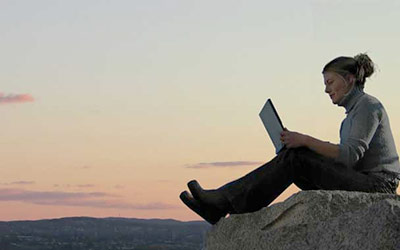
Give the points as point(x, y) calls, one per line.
point(336, 86)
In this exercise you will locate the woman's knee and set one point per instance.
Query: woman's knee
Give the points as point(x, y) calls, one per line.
point(290, 153)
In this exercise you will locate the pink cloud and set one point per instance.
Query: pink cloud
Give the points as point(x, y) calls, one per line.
point(85, 185)
point(19, 183)
point(224, 164)
point(25, 195)
point(105, 204)
point(80, 199)
point(11, 98)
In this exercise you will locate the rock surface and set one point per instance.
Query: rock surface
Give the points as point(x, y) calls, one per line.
point(314, 220)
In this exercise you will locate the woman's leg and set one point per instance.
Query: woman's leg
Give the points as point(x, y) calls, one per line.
point(301, 166)
point(261, 186)
point(324, 173)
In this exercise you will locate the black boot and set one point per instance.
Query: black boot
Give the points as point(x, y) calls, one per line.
point(213, 198)
point(209, 213)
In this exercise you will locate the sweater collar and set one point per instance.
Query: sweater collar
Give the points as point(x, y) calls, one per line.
point(350, 98)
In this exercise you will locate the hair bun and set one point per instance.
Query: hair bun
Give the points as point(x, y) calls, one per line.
point(365, 66)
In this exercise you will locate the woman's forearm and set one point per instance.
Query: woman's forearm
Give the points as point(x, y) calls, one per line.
point(324, 148)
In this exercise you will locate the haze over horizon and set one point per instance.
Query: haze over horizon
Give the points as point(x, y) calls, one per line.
point(108, 108)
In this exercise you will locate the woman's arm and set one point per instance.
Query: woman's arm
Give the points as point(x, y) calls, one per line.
point(324, 148)
point(295, 139)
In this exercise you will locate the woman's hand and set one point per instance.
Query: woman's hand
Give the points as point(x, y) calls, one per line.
point(293, 139)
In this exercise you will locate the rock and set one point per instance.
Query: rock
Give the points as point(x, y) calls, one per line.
point(314, 220)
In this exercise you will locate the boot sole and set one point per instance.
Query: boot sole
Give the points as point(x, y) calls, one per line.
point(203, 211)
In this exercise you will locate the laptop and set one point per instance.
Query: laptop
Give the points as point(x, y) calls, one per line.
point(272, 124)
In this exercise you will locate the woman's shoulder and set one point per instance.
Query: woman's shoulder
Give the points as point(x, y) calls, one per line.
point(367, 100)
point(370, 104)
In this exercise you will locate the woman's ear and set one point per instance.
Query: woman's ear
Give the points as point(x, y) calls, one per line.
point(351, 78)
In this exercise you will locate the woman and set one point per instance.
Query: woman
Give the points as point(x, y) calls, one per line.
point(366, 159)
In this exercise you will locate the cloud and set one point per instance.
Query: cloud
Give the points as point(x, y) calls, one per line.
point(80, 199)
point(26, 195)
point(19, 183)
point(11, 98)
point(224, 164)
point(85, 185)
point(106, 204)
point(74, 186)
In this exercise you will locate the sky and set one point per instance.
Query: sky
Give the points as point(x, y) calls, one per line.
point(108, 108)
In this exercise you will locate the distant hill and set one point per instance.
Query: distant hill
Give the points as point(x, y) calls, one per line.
point(85, 233)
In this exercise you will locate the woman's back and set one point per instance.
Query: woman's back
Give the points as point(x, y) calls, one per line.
point(368, 138)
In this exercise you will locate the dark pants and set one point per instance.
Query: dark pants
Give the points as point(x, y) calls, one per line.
point(307, 169)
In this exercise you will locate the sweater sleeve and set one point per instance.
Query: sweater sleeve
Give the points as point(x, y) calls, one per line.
point(361, 131)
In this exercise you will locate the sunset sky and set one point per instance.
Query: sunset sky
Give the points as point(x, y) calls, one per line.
point(108, 108)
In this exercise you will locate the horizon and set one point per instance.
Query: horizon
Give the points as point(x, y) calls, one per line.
point(110, 108)
point(87, 217)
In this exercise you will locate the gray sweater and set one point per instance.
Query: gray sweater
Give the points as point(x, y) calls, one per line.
point(366, 140)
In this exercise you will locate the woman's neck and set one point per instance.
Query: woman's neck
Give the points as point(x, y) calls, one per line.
point(351, 97)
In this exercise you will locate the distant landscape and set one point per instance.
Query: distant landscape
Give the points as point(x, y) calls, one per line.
point(85, 233)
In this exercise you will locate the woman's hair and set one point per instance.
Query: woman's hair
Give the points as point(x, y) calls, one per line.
point(361, 66)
